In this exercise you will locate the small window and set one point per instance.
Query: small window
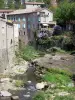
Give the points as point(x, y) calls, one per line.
point(28, 19)
point(29, 26)
point(39, 19)
point(14, 18)
point(24, 26)
point(19, 19)
point(24, 19)
point(18, 25)
point(24, 33)
point(11, 41)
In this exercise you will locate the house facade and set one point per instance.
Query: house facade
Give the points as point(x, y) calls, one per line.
point(45, 18)
point(7, 45)
point(27, 21)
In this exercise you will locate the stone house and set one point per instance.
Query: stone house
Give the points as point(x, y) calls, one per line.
point(7, 44)
point(45, 18)
point(27, 21)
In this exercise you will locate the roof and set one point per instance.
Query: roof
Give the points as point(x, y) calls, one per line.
point(27, 11)
point(5, 11)
point(40, 9)
point(23, 11)
point(36, 3)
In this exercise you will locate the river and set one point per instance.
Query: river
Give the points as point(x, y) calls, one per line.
point(29, 90)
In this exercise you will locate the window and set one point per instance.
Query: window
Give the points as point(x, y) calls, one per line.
point(29, 26)
point(24, 19)
point(12, 18)
point(11, 41)
point(19, 19)
point(24, 33)
point(28, 19)
point(24, 26)
point(39, 19)
point(15, 18)
point(42, 14)
point(18, 25)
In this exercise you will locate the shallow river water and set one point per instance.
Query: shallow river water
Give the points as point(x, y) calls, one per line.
point(29, 90)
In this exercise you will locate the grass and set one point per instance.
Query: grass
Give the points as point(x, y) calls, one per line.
point(29, 53)
point(57, 76)
point(39, 96)
point(64, 98)
point(59, 71)
point(19, 83)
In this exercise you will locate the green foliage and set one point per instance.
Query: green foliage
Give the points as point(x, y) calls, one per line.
point(18, 4)
point(2, 4)
point(65, 12)
point(11, 4)
point(57, 78)
point(19, 83)
point(64, 41)
point(59, 71)
point(29, 53)
point(39, 96)
point(67, 43)
point(63, 98)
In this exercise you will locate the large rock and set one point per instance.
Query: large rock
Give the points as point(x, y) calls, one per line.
point(15, 98)
point(5, 94)
point(5, 79)
point(41, 85)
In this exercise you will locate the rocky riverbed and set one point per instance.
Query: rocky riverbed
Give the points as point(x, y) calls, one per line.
point(22, 72)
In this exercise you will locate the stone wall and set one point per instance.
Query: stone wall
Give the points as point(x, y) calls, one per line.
point(7, 45)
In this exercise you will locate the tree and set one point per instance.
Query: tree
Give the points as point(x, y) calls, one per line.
point(65, 12)
point(2, 3)
point(17, 4)
point(11, 4)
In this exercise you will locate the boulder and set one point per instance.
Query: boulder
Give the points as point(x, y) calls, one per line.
point(15, 98)
point(5, 94)
point(41, 85)
point(5, 79)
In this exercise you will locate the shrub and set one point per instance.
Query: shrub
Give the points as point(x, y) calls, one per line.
point(19, 83)
point(67, 43)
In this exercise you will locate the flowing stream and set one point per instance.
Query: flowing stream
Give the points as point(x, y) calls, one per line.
point(29, 90)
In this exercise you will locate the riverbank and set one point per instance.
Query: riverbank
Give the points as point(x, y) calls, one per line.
point(22, 79)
